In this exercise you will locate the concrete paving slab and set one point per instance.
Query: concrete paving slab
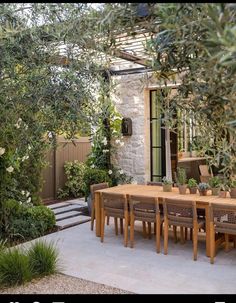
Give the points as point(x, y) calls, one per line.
point(140, 269)
point(67, 215)
point(58, 205)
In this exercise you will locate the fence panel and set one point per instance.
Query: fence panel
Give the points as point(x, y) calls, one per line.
point(54, 175)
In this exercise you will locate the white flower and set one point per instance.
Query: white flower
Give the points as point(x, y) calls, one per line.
point(29, 147)
point(92, 166)
point(28, 200)
point(49, 134)
point(10, 169)
point(17, 125)
point(105, 150)
point(2, 151)
point(20, 202)
point(23, 192)
point(19, 120)
point(117, 141)
point(92, 144)
point(109, 171)
point(122, 143)
point(104, 141)
point(121, 171)
point(25, 158)
point(26, 126)
point(27, 194)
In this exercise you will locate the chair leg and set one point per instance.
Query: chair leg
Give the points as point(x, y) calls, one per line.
point(166, 228)
point(158, 234)
point(182, 240)
point(186, 233)
point(195, 240)
point(226, 242)
point(108, 220)
point(116, 226)
point(149, 230)
point(175, 233)
point(144, 230)
point(121, 226)
point(234, 241)
point(102, 224)
point(126, 228)
point(161, 231)
point(191, 234)
point(155, 228)
point(131, 231)
point(92, 217)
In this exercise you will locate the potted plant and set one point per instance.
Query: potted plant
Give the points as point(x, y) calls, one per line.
point(166, 184)
point(223, 189)
point(192, 185)
point(233, 188)
point(182, 180)
point(203, 188)
point(214, 183)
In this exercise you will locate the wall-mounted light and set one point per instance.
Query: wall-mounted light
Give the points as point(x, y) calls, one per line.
point(126, 127)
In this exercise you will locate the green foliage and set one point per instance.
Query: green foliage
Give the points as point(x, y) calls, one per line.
point(181, 176)
point(43, 259)
point(26, 222)
point(74, 186)
point(192, 183)
point(214, 182)
point(166, 181)
point(94, 176)
point(233, 184)
point(14, 267)
point(203, 186)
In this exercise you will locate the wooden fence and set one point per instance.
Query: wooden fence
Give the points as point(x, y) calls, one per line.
point(54, 175)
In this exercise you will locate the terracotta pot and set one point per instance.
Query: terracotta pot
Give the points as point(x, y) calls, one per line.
point(167, 187)
point(193, 190)
point(203, 192)
point(233, 192)
point(183, 189)
point(215, 191)
point(222, 193)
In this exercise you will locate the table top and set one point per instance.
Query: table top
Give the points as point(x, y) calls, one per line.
point(157, 191)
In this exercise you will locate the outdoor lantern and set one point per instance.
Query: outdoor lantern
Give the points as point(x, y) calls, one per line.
point(126, 127)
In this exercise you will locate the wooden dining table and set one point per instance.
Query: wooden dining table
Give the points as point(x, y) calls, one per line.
point(202, 202)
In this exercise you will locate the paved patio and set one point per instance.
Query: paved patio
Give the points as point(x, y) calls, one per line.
point(141, 269)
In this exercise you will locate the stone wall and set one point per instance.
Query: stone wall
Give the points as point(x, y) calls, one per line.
point(132, 101)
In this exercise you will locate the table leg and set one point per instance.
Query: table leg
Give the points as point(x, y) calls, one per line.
point(97, 214)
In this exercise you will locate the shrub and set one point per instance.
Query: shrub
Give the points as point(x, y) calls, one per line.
point(31, 222)
point(94, 176)
point(74, 185)
point(43, 259)
point(233, 184)
point(14, 267)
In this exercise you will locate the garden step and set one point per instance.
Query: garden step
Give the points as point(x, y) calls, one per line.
point(66, 215)
point(72, 221)
point(58, 205)
point(67, 208)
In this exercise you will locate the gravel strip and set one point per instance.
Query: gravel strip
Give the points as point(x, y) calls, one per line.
point(62, 284)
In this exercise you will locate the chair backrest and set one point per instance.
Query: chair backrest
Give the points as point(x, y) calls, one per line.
point(98, 186)
point(178, 211)
point(224, 217)
point(144, 208)
point(114, 203)
point(154, 183)
point(204, 171)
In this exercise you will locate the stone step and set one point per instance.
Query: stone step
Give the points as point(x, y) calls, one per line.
point(67, 214)
point(72, 221)
point(67, 208)
point(58, 205)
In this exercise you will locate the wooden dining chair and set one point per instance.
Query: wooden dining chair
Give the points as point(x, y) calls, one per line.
point(115, 205)
point(222, 221)
point(93, 188)
point(183, 214)
point(145, 209)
